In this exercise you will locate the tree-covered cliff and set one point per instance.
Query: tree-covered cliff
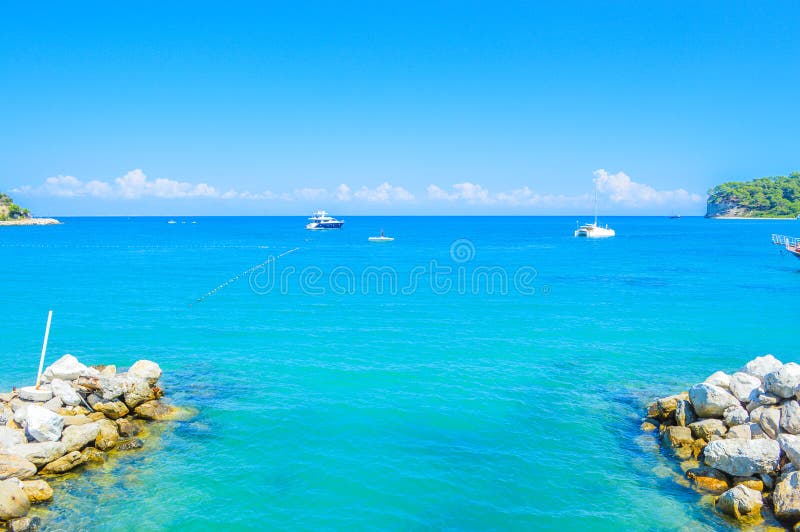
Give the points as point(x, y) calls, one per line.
point(10, 210)
point(760, 198)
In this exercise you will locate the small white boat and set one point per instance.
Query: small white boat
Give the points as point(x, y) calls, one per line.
point(172, 222)
point(382, 238)
point(593, 230)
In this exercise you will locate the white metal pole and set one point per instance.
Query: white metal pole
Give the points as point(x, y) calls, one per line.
point(44, 348)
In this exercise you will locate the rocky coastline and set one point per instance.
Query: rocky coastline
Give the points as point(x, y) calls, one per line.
point(75, 419)
point(30, 221)
point(737, 437)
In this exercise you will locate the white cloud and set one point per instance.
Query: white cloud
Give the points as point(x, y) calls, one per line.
point(384, 192)
point(621, 189)
point(343, 193)
point(468, 192)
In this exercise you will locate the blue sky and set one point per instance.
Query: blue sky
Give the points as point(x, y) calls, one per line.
point(407, 108)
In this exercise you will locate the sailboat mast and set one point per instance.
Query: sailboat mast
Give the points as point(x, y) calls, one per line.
point(595, 204)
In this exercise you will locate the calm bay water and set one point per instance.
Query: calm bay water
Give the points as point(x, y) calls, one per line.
point(328, 404)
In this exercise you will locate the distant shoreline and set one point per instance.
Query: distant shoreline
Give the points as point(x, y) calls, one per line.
point(751, 218)
point(31, 221)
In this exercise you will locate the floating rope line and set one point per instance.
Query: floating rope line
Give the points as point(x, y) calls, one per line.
point(243, 274)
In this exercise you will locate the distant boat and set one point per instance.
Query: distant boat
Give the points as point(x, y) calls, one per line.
point(593, 230)
point(320, 220)
point(172, 222)
point(382, 238)
point(789, 244)
point(674, 216)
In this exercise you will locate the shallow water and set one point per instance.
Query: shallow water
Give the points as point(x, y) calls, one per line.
point(439, 406)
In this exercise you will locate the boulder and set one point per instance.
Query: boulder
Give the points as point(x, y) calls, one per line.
point(13, 501)
point(770, 421)
point(96, 416)
point(25, 524)
point(756, 432)
point(649, 425)
point(106, 371)
point(719, 378)
point(740, 501)
point(784, 381)
point(708, 479)
point(43, 424)
point(137, 391)
point(786, 498)
point(37, 490)
point(790, 417)
point(663, 408)
point(706, 428)
point(741, 432)
point(64, 391)
point(684, 413)
point(65, 463)
point(744, 387)
point(54, 404)
point(108, 435)
point(760, 366)
point(709, 400)
point(10, 437)
point(76, 420)
point(790, 445)
point(93, 455)
point(127, 428)
point(754, 483)
point(111, 409)
point(158, 411)
point(111, 387)
point(735, 415)
point(743, 458)
point(76, 437)
point(39, 453)
point(66, 368)
point(13, 466)
point(150, 371)
point(129, 445)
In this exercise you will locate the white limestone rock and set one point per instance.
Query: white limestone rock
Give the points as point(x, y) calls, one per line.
point(42, 424)
point(735, 415)
point(710, 401)
point(66, 368)
point(10, 437)
point(744, 387)
point(743, 458)
point(64, 391)
point(719, 378)
point(740, 501)
point(786, 498)
point(146, 369)
point(76, 437)
point(790, 445)
point(783, 382)
point(790, 417)
point(770, 421)
point(760, 366)
point(39, 453)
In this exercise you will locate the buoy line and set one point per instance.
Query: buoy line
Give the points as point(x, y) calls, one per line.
point(244, 273)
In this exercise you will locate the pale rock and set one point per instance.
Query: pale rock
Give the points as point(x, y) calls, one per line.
point(108, 435)
point(54, 404)
point(39, 453)
point(744, 387)
point(735, 415)
point(37, 490)
point(90, 373)
point(719, 378)
point(783, 382)
point(756, 432)
point(743, 458)
point(65, 368)
point(112, 387)
point(709, 400)
point(684, 413)
point(786, 498)
point(741, 432)
point(25, 524)
point(708, 479)
point(76, 437)
point(740, 501)
point(13, 501)
point(43, 424)
point(706, 428)
point(76, 420)
point(65, 392)
point(790, 445)
point(770, 421)
point(158, 411)
point(137, 391)
point(150, 371)
point(111, 409)
point(760, 366)
point(10, 437)
point(790, 417)
point(13, 466)
point(66, 463)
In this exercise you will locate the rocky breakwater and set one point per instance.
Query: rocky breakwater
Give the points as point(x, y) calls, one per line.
point(738, 438)
point(76, 417)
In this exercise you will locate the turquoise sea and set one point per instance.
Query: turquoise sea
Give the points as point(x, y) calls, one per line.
point(331, 400)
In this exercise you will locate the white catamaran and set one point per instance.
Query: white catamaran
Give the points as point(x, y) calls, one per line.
point(593, 230)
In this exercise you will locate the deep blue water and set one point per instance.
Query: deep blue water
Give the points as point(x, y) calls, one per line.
point(357, 385)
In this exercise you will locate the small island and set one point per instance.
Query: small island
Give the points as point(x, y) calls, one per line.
point(13, 214)
point(766, 197)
